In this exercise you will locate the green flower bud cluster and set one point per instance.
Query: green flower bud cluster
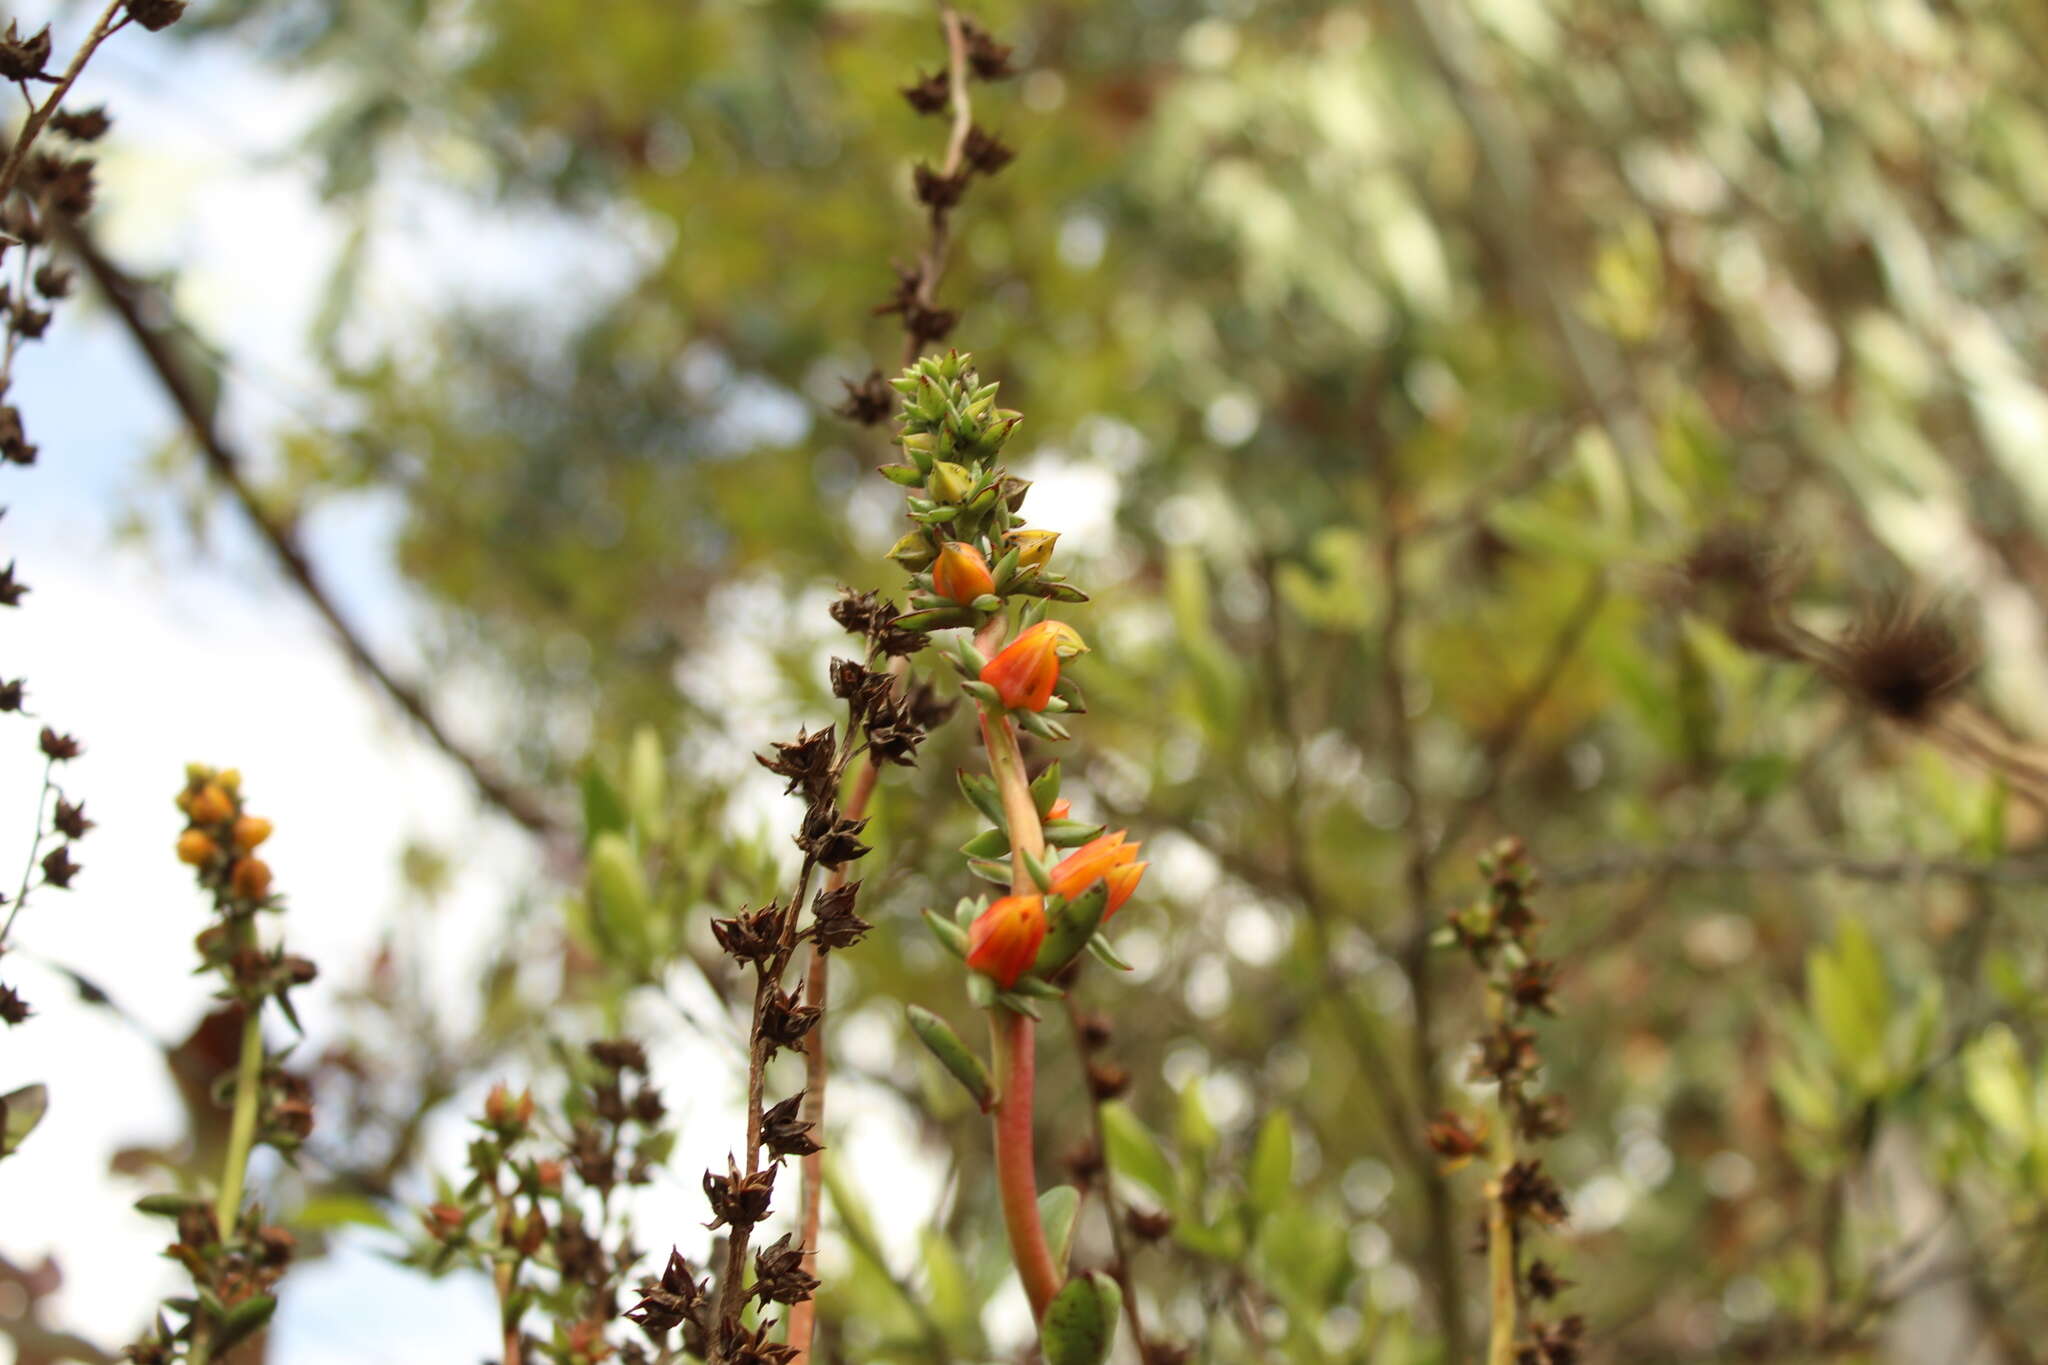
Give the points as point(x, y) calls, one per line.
point(952, 434)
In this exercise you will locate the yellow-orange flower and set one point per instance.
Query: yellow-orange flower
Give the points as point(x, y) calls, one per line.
point(1032, 546)
point(250, 878)
point(1003, 941)
point(1024, 673)
point(249, 832)
point(1091, 862)
point(210, 805)
point(960, 573)
point(197, 848)
point(1122, 881)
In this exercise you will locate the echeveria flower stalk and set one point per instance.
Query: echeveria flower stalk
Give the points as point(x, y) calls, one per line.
point(979, 571)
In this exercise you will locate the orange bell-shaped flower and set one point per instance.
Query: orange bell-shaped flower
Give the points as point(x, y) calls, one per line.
point(1090, 863)
point(960, 573)
point(1003, 941)
point(1024, 673)
point(1121, 881)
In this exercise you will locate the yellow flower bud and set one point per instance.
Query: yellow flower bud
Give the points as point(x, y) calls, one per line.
point(949, 482)
point(1033, 547)
point(211, 805)
point(197, 848)
point(250, 878)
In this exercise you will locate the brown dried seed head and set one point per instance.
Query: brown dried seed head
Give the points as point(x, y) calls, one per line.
point(1907, 661)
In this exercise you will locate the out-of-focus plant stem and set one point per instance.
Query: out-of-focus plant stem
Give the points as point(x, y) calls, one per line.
point(242, 1128)
point(1112, 1210)
point(1500, 1230)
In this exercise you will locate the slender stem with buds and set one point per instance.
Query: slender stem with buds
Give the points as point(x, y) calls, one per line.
point(110, 22)
point(1112, 1210)
point(803, 1317)
point(1500, 1231)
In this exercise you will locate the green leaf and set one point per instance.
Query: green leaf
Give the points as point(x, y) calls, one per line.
point(603, 811)
point(1059, 1208)
point(1196, 1133)
point(647, 783)
point(959, 1060)
point(169, 1205)
point(990, 843)
point(1106, 953)
point(1133, 1151)
point(981, 793)
point(1995, 1078)
point(327, 1211)
point(1071, 925)
point(20, 1111)
point(618, 895)
point(1851, 1002)
point(1045, 788)
point(243, 1321)
point(1080, 1323)
point(1271, 1179)
point(947, 1290)
point(950, 935)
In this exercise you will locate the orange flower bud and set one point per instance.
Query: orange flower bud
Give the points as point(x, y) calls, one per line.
point(548, 1176)
point(960, 573)
point(250, 878)
point(249, 832)
point(1002, 943)
point(502, 1110)
point(1024, 673)
point(1060, 809)
point(210, 805)
point(197, 848)
point(1090, 863)
point(1121, 881)
point(443, 1221)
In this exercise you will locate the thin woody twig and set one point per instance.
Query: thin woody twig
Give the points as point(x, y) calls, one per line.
point(126, 294)
point(1112, 1210)
point(104, 28)
point(1626, 864)
point(817, 1073)
point(1447, 1269)
point(932, 261)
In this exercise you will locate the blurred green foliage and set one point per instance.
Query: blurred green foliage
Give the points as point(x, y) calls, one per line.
point(1394, 358)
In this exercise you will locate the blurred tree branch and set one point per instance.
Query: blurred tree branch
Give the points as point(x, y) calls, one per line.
point(132, 300)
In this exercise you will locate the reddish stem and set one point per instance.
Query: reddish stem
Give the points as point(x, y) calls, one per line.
point(1014, 1042)
point(1013, 1036)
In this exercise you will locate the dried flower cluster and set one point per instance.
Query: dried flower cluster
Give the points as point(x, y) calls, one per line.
point(232, 1255)
point(1498, 932)
point(540, 1211)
